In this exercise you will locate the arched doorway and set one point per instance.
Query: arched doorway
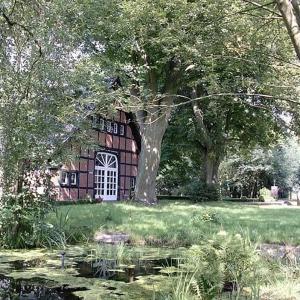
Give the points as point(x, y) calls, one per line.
point(106, 176)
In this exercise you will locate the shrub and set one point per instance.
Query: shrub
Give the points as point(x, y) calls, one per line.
point(202, 192)
point(22, 219)
point(222, 261)
point(207, 216)
point(211, 215)
point(265, 195)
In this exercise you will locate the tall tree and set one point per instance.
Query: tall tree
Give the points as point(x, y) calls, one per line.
point(37, 94)
point(159, 49)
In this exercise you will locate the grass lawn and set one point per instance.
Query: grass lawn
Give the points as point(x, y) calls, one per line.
point(180, 223)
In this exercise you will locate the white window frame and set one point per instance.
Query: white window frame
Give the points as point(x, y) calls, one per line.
point(122, 130)
point(66, 179)
point(108, 126)
point(132, 182)
point(115, 128)
point(75, 182)
point(107, 177)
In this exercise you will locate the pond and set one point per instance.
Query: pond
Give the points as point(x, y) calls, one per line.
point(35, 288)
point(111, 272)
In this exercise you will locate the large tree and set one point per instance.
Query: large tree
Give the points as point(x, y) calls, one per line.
point(161, 50)
point(38, 102)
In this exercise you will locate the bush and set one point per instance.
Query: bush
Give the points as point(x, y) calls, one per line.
point(224, 261)
point(23, 223)
point(265, 195)
point(22, 219)
point(202, 192)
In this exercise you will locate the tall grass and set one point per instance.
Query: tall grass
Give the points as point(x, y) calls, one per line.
point(181, 223)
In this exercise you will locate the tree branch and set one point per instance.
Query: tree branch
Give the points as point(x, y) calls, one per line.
point(26, 29)
point(295, 4)
point(263, 6)
point(198, 114)
point(288, 13)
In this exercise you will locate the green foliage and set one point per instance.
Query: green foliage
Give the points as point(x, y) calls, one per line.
point(22, 220)
point(242, 199)
point(224, 260)
point(207, 216)
point(77, 202)
point(184, 287)
point(245, 173)
point(265, 195)
point(201, 192)
point(24, 224)
point(285, 165)
point(179, 223)
point(211, 215)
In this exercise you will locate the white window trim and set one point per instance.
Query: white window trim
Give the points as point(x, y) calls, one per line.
point(73, 183)
point(66, 181)
point(108, 126)
point(132, 182)
point(107, 185)
point(115, 128)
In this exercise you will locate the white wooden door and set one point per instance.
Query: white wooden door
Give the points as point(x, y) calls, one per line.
point(106, 176)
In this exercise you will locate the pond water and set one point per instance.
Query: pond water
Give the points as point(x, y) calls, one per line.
point(35, 288)
point(110, 269)
point(48, 275)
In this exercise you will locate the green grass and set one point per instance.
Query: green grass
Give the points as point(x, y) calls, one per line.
point(181, 223)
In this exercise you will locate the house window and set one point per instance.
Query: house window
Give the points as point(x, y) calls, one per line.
point(64, 178)
point(115, 128)
point(73, 178)
point(94, 122)
point(122, 130)
point(132, 182)
point(101, 124)
point(108, 126)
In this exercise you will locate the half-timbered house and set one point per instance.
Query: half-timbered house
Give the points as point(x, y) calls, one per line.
point(108, 171)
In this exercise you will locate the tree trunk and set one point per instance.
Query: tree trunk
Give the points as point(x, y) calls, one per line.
point(153, 121)
point(290, 12)
point(211, 168)
point(149, 159)
point(1, 163)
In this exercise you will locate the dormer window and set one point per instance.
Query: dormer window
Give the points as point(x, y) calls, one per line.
point(108, 126)
point(115, 128)
point(122, 130)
